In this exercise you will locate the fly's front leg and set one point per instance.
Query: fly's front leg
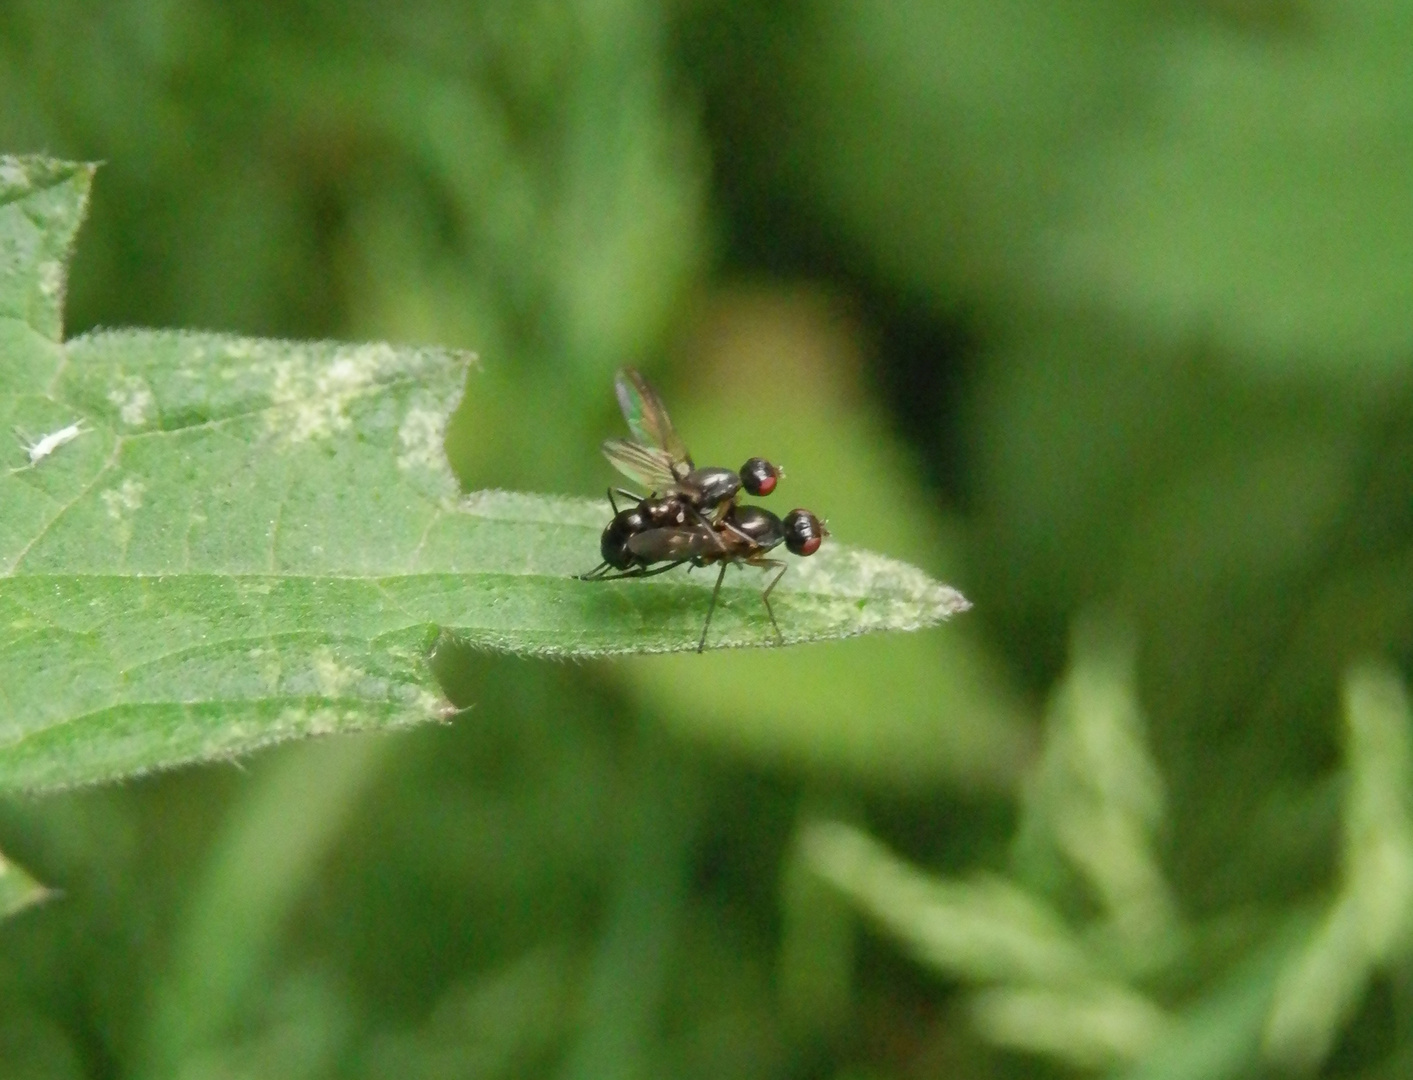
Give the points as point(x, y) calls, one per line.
point(631, 496)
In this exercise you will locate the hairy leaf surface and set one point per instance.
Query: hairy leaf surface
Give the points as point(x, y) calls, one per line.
point(210, 543)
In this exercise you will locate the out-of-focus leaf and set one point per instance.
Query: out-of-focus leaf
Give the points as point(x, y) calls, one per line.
point(983, 929)
point(35, 1046)
point(1263, 197)
point(1098, 797)
point(1378, 817)
point(17, 889)
point(1206, 176)
point(938, 134)
point(1047, 993)
point(1370, 923)
point(259, 868)
point(488, 1025)
point(816, 960)
point(1208, 512)
point(1219, 1037)
point(1089, 1028)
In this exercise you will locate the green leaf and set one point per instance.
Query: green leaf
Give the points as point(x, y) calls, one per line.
point(42, 203)
point(214, 543)
point(1218, 1036)
point(17, 889)
point(1370, 923)
point(1265, 202)
point(983, 929)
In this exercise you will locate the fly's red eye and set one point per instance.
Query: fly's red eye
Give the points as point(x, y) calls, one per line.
point(803, 532)
point(758, 476)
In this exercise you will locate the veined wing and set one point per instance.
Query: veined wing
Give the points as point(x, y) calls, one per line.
point(647, 465)
point(647, 416)
point(676, 543)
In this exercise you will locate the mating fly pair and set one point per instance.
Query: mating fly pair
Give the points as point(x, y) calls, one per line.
point(691, 514)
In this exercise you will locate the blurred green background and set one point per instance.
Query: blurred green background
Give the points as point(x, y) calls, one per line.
point(1102, 313)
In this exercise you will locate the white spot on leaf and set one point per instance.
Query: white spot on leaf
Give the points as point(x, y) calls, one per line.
point(422, 434)
point(122, 501)
point(334, 678)
point(51, 277)
point(134, 401)
point(312, 396)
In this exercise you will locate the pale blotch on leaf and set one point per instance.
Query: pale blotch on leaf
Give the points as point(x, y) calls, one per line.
point(51, 278)
point(123, 500)
point(134, 401)
point(312, 397)
point(324, 721)
point(334, 678)
point(422, 434)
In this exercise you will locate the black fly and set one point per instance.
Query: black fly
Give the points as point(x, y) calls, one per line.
point(692, 516)
point(657, 458)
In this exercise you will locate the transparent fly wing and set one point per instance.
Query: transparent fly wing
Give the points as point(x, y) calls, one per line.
point(647, 416)
point(650, 467)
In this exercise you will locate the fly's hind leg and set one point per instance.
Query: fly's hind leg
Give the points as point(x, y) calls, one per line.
point(640, 571)
point(765, 593)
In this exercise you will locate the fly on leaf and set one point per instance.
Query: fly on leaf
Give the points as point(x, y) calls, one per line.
point(657, 458)
point(691, 515)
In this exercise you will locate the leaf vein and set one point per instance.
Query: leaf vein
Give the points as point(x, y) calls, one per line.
point(86, 490)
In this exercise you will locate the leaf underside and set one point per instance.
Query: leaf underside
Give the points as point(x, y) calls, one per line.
point(248, 540)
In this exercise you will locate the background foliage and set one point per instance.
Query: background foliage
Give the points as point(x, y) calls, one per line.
point(1103, 313)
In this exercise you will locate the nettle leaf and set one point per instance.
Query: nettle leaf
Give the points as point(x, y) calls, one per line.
point(211, 543)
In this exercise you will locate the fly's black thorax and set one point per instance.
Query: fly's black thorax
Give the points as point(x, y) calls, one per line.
point(663, 513)
point(710, 486)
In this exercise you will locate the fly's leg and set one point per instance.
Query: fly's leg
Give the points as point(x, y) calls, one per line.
point(765, 593)
point(730, 527)
point(632, 497)
point(702, 644)
point(711, 528)
point(640, 572)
